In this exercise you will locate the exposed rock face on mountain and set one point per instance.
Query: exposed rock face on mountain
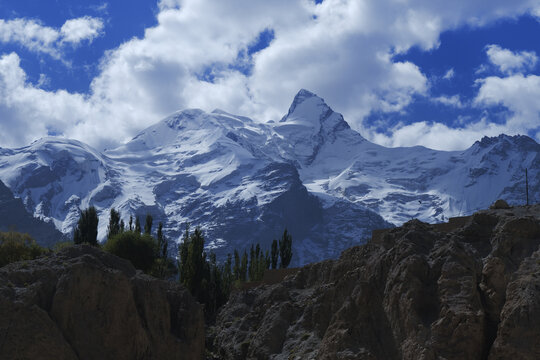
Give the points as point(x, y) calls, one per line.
point(244, 181)
point(468, 289)
point(14, 217)
point(82, 303)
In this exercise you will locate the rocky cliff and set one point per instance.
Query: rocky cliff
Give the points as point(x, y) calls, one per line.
point(82, 303)
point(465, 290)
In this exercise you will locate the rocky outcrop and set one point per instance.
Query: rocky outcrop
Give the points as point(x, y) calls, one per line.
point(417, 292)
point(82, 303)
point(500, 204)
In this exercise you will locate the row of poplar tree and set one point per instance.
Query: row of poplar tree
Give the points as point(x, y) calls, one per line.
point(209, 281)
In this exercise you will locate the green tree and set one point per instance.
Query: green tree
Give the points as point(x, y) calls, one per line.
point(183, 254)
point(148, 224)
point(196, 260)
point(236, 268)
point(137, 225)
point(257, 251)
point(130, 222)
point(162, 242)
point(114, 223)
point(16, 246)
point(243, 266)
point(86, 230)
point(207, 281)
point(261, 266)
point(227, 274)
point(212, 289)
point(274, 254)
point(285, 249)
point(267, 262)
point(163, 263)
point(258, 264)
point(192, 266)
point(140, 249)
point(252, 264)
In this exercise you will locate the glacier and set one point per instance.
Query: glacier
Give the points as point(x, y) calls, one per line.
point(244, 181)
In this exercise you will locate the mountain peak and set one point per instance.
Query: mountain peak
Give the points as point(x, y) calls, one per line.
point(183, 117)
point(302, 96)
point(521, 141)
point(310, 110)
point(305, 93)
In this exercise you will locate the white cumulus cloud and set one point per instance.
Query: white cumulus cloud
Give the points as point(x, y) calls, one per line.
point(449, 75)
point(29, 112)
point(454, 101)
point(36, 37)
point(30, 34)
point(343, 50)
point(85, 28)
point(439, 136)
point(511, 62)
point(518, 93)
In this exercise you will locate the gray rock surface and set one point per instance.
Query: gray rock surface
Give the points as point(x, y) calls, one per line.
point(419, 291)
point(83, 303)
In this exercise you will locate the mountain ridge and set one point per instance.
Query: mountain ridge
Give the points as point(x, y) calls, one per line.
point(237, 178)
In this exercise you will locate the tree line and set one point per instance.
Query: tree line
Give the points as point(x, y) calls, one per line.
point(146, 252)
point(208, 281)
point(16, 246)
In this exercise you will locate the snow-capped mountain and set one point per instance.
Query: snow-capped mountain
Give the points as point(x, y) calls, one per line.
point(244, 181)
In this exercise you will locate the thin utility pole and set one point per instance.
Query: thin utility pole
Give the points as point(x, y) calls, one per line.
point(527, 185)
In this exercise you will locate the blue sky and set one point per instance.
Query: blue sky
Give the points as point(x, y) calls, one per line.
point(122, 20)
point(403, 73)
point(463, 52)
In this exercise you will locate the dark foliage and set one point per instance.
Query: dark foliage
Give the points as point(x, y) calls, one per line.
point(137, 225)
point(145, 252)
point(115, 226)
point(140, 249)
point(86, 230)
point(148, 224)
point(243, 267)
point(274, 254)
point(258, 263)
point(236, 269)
point(15, 246)
point(205, 279)
point(285, 249)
